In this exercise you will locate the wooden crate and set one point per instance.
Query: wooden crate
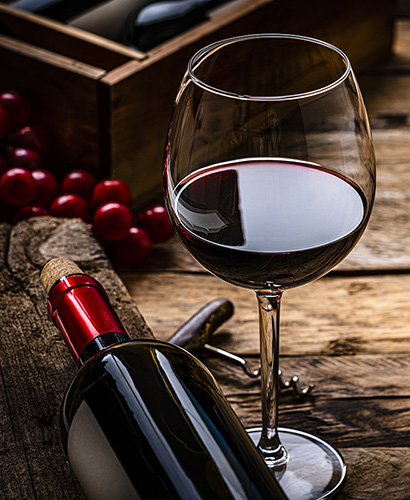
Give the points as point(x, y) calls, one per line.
point(107, 106)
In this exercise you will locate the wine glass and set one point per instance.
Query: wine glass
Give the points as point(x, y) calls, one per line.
point(269, 181)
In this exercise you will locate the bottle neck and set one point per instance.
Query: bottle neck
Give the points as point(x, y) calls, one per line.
point(81, 310)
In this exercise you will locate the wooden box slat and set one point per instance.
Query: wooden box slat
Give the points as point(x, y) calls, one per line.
point(66, 40)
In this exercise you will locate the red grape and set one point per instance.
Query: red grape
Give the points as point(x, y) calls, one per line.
point(27, 212)
point(69, 205)
point(17, 187)
point(47, 188)
point(24, 158)
point(111, 190)
point(112, 221)
point(31, 137)
point(17, 106)
point(156, 223)
point(134, 248)
point(4, 122)
point(79, 182)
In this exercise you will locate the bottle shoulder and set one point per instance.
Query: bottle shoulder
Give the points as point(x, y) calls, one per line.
point(138, 368)
point(147, 351)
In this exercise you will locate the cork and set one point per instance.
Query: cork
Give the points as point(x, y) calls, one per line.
point(56, 269)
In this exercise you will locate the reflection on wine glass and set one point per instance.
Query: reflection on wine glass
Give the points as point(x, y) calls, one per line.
point(269, 181)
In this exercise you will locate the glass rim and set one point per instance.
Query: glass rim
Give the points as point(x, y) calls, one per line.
point(207, 50)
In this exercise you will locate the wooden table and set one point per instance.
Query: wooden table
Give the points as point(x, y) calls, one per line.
point(348, 333)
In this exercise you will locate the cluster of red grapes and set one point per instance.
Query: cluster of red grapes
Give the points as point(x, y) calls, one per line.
point(29, 190)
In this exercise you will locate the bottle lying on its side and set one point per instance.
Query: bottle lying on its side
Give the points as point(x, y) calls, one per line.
point(145, 419)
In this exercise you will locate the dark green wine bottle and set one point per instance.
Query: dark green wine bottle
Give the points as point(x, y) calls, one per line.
point(145, 419)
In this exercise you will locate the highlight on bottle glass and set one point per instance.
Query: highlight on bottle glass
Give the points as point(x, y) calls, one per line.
point(269, 181)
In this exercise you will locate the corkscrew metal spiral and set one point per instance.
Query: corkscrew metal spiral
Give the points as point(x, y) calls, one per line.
point(196, 331)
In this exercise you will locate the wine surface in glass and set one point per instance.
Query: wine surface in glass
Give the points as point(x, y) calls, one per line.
point(268, 223)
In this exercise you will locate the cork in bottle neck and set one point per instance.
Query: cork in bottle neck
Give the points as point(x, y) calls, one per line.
point(80, 309)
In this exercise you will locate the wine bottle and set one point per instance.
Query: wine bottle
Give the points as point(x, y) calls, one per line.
point(161, 20)
point(145, 419)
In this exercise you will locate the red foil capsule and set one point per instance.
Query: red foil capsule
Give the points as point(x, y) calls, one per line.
point(81, 310)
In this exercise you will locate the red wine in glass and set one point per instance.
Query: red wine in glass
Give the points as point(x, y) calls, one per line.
point(262, 223)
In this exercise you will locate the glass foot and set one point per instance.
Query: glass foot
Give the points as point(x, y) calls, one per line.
point(315, 470)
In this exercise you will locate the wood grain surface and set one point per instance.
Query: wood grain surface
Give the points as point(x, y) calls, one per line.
point(348, 333)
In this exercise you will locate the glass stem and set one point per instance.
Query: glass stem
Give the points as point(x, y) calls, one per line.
point(269, 314)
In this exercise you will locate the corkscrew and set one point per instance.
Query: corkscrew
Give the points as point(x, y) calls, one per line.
point(194, 334)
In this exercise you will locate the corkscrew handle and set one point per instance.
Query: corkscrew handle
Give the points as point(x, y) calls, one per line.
point(195, 333)
point(198, 329)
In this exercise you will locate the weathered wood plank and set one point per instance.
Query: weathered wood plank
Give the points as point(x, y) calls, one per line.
point(358, 401)
point(343, 315)
point(35, 366)
point(378, 473)
point(343, 422)
point(336, 377)
point(30, 353)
